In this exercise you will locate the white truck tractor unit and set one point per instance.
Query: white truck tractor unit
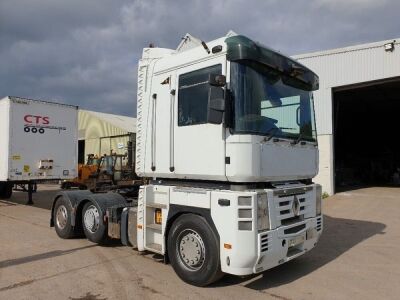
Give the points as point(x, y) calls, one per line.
point(226, 152)
point(38, 142)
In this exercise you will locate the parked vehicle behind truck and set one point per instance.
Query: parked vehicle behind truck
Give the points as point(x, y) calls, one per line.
point(107, 172)
point(38, 142)
point(226, 144)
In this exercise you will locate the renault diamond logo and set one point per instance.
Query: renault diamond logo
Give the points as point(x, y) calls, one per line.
point(296, 206)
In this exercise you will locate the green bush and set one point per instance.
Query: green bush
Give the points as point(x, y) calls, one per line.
point(325, 195)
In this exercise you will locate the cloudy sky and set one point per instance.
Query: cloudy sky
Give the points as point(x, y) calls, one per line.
point(85, 52)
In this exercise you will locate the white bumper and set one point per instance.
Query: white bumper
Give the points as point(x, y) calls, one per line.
point(274, 247)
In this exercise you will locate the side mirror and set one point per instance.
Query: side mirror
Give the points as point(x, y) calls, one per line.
point(217, 80)
point(216, 105)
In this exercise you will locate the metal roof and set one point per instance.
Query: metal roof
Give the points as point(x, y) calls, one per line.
point(342, 50)
point(16, 98)
point(125, 123)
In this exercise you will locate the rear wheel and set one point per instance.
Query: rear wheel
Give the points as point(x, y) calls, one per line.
point(93, 223)
point(66, 185)
point(193, 250)
point(62, 219)
point(6, 189)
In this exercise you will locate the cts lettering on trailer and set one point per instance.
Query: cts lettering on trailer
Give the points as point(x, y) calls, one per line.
point(36, 119)
point(36, 124)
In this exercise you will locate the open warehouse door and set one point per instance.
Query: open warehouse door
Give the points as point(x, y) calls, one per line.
point(366, 134)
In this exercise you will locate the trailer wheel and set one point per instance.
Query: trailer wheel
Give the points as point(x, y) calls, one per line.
point(62, 219)
point(194, 251)
point(6, 190)
point(93, 224)
point(65, 185)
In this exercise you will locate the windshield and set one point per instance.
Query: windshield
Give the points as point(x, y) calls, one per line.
point(267, 103)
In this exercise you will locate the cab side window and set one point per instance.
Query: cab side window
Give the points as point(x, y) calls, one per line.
point(193, 96)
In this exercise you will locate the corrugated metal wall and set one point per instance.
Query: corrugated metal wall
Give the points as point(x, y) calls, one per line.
point(347, 66)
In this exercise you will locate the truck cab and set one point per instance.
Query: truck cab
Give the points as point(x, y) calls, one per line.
point(257, 126)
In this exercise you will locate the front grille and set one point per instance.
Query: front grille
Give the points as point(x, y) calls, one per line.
point(264, 242)
point(292, 205)
point(319, 223)
point(295, 229)
point(293, 220)
point(284, 203)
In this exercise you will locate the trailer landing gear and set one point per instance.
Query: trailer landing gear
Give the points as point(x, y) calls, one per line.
point(30, 192)
point(29, 187)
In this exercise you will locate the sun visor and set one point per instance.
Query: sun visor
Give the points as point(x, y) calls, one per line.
point(242, 49)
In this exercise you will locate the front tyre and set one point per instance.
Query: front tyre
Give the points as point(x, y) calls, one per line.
point(93, 223)
point(193, 250)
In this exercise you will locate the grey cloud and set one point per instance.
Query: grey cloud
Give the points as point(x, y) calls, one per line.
point(37, 20)
point(86, 52)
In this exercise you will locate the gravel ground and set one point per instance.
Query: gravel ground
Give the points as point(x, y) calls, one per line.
point(357, 257)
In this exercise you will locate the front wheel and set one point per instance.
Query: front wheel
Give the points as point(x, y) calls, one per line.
point(93, 223)
point(193, 250)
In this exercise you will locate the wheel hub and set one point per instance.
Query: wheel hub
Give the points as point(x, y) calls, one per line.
point(92, 219)
point(61, 216)
point(191, 250)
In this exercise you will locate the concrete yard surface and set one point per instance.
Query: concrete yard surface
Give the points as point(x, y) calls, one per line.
point(358, 257)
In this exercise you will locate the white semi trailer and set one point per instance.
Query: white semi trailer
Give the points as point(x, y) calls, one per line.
point(38, 142)
point(226, 145)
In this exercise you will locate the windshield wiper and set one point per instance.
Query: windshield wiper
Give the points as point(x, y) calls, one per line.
point(273, 131)
point(296, 141)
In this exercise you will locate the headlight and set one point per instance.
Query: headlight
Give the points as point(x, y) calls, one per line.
point(262, 212)
point(318, 196)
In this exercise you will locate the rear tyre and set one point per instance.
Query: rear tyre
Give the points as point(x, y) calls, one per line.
point(66, 185)
point(6, 189)
point(62, 219)
point(193, 250)
point(93, 223)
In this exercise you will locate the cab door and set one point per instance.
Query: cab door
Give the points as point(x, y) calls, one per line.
point(199, 147)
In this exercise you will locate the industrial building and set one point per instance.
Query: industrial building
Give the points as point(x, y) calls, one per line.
point(101, 133)
point(358, 114)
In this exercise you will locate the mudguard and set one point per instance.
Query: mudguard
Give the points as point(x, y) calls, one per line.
point(78, 198)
